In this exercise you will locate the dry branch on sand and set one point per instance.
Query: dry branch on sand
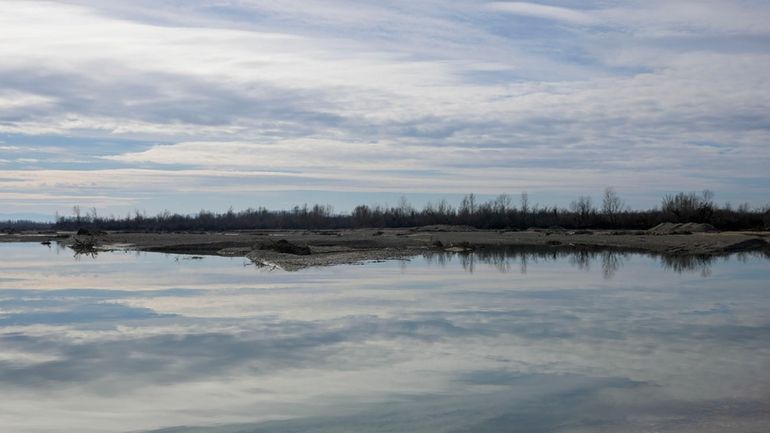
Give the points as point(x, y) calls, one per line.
point(85, 246)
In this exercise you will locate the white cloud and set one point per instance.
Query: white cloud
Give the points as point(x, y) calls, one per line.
point(687, 17)
point(538, 10)
point(367, 93)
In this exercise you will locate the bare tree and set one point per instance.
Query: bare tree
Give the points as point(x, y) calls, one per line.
point(77, 212)
point(689, 207)
point(612, 204)
point(502, 203)
point(444, 208)
point(404, 208)
point(468, 205)
point(524, 209)
point(583, 208)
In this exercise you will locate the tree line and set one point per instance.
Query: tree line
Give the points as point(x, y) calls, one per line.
point(502, 212)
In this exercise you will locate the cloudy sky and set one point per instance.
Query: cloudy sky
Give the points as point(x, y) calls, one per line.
point(153, 104)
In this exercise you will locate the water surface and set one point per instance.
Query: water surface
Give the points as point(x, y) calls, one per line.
point(507, 341)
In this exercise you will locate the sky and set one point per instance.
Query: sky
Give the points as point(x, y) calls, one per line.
point(184, 105)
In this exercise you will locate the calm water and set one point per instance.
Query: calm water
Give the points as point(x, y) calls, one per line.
point(496, 342)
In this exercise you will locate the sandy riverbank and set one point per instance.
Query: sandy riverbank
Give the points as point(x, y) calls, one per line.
point(330, 247)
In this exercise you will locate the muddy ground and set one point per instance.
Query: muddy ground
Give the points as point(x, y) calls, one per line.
point(331, 247)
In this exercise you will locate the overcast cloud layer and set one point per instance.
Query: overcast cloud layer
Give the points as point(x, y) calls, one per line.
point(153, 104)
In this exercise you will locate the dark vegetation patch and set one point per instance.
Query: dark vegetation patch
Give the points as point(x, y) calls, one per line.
point(285, 247)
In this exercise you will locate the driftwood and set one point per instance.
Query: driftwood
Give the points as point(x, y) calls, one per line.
point(84, 246)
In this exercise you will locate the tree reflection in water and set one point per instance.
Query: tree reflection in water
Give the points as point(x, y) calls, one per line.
point(506, 258)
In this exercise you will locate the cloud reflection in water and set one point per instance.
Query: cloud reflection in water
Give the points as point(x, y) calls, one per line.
point(579, 342)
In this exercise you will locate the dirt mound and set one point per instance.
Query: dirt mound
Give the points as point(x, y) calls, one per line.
point(286, 247)
point(681, 229)
point(86, 232)
point(444, 228)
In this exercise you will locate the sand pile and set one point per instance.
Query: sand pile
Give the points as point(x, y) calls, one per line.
point(681, 229)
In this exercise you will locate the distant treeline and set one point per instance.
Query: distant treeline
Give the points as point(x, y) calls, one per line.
point(501, 213)
point(17, 225)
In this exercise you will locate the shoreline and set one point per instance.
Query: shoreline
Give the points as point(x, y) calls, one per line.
point(333, 247)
